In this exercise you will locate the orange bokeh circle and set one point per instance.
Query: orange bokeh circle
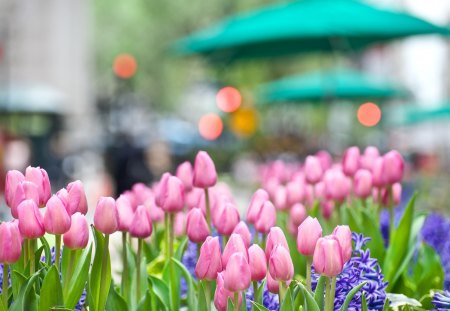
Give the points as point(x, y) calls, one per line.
point(210, 126)
point(369, 114)
point(228, 99)
point(125, 66)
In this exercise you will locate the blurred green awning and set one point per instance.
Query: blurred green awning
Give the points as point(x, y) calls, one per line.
point(411, 115)
point(331, 84)
point(301, 26)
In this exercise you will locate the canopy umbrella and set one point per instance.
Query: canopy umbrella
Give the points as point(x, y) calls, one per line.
point(301, 26)
point(327, 85)
point(411, 115)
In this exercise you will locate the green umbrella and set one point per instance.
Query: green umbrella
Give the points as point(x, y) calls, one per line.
point(301, 26)
point(330, 84)
point(411, 115)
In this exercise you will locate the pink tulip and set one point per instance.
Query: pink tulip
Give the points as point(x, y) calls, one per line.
point(266, 218)
point(344, 236)
point(25, 190)
point(363, 184)
point(393, 167)
point(10, 243)
point(185, 173)
point(234, 245)
point(31, 224)
point(196, 226)
point(275, 237)
point(141, 224)
point(280, 199)
point(106, 217)
point(172, 195)
point(325, 159)
point(78, 235)
point(297, 214)
point(205, 175)
point(377, 173)
point(319, 191)
point(313, 170)
point(328, 256)
point(39, 177)
point(77, 198)
point(226, 219)
point(272, 285)
point(237, 276)
point(281, 267)
point(244, 232)
point(180, 224)
point(367, 160)
point(13, 178)
point(125, 212)
point(193, 197)
point(309, 195)
point(159, 189)
point(308, 233)
point(258, 263)
point(56, 218)
point(350, 161)
point(131, 198)
point(142, 193)
point(256, 203)
point(396, 195)
point(295, 192)
point(327, 208)
point(337, 185)
point(209, 262)
point(222, 295)
point(271, 186)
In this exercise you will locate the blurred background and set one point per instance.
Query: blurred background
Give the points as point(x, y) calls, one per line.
point(118, 92)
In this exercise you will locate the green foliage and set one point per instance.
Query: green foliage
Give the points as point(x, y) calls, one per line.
point(51, 291)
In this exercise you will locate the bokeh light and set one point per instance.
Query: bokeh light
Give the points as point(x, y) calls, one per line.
point(210, 126)
point(228, 99)
point(244, 121)
point(369, 114)
point(125, 66)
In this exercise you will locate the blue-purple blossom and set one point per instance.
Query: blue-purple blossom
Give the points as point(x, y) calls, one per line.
point(269, 300)
point(189, 260)
point(361, 267)
point(441, 301)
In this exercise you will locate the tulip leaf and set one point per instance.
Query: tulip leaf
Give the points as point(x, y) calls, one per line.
point(17, 280)
point(79, 277)
point(100, 276)
point(386, 305)
point(319, 293)
point(51, 291)
point(181, 248)
point(258, 296)
point(370, 228)
point(364, 306)
point(115, 301)
point(350, 296)
point(308, 300)
point(398, 246)
point(191, 298)
point(259, 307)
point(287, 304)
point(161, 291)
point(145, 303)
point(201, 296)
point(244, 302)
point(47, 251)
point(26, 299)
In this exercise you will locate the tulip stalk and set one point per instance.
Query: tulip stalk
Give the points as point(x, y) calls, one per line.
point(138, 270)
point(57, 250)
point(72, 255)
point(167, 235)
point(208, 208)
point(105, 257)
point(391, 211)
point(208, 294)
point(5, 286)
point(330, 290)
point(125, 277)
point(281, 292)
point(308, 272)
point(236, 301)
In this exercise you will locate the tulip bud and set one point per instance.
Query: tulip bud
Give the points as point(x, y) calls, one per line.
point(308, 233)
point(396, 195)
point(209, 262)
point(325, 159)
point(31, 225)
point(237, 276)
point(271, 186)
point(280, 199)
point(313, 170)
point(131, 196)
point(185, 174)
point(179, 224)
point(244, 232)
point(328, 256)
point(337, 185)
point(10, 243)
point(226, 219)
point(56, 218)
point(344, 236)
point(272, 285)
point(363, 184)
point(196, 226)
point(222, 295)
point(125, 213)
point(172, 195)
point(78, 235)
point(256, 203)
point(77, 198)
point(106, 217)
point(234, 245)
point(266, 218)
point(368, 159)
point(258, 263)
point(393, 167)
point(205, 175)
point(39, 177)
point(159, 188)
point(141, 224)
point(142, 193)
point(25, 190)
point(297, 214)
point(377, 173)
point(295, 192)
point(193, 197)
point(350, 161)
point(327, 208)
point(13, 178)
point(274, 238)
point(281, 267)
point(319, 191)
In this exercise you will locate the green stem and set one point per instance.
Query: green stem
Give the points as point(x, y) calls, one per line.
point(364, 203)
point(281, 292)
point(263, 241)
point(333, 292)
point(208, 209)
point(138, 270)
point(172, 233)
point(224, 241)
point(327, 295)
point(391, 212)
point(236, 301)
point(31, 244)
point(70, 266)
point(256, 238)
point(208, 294)
point(5, 286)
point(308, 272)
point(255, 289)
point(166, 222)
point(174, 295)
point(104, 261)
point(57, 250)
point(125, 277)
point(25, 253)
